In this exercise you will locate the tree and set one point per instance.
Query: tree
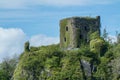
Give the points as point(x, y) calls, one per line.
point(116, 68)
point(97, 44)
point(118, 38)
point(94, 35)
point(7, 68)
point(105, 34)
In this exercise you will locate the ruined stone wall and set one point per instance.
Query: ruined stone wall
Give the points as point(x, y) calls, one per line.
point(76, 30)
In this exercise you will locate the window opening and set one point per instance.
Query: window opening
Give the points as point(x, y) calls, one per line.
point(85, 28)
point(66, 28)
point(65, 39)
point(81, 36)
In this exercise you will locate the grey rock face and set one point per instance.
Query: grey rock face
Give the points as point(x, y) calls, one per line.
point(87, 67)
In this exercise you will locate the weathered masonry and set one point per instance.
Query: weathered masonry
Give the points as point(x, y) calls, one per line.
point(76, 30)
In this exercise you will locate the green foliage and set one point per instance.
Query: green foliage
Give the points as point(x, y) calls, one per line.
point(95, 35)
point(32, 49)
point(52, 63)
point(7, 68)
point(115, 64)
point(116, 51)
point(118, 37)
point(98, 46)
point(35, 62)
point(109, 54)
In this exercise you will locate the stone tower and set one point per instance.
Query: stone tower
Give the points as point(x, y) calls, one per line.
point(76, 30)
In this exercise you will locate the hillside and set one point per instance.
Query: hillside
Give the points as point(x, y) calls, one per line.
point(95, 61)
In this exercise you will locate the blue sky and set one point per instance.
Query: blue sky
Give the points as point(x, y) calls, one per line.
point(44, 18)
point(38, 19)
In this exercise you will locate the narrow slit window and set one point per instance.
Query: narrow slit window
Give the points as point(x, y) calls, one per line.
point(65, 39)
point(86, 40)
point(66, 28)
point(85, 28)
point(81, 37)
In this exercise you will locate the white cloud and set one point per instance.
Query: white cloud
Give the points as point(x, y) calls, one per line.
point(11, 41)
point(26, 3)
point(12, 4)
point(39, 40)
point(112, 38)
point(74, 2)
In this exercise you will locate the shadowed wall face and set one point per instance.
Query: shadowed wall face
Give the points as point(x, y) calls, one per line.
point(76, 31)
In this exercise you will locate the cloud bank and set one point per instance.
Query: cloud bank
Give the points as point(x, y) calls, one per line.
point(27, 3)
point(12, 41)
point(112, 38)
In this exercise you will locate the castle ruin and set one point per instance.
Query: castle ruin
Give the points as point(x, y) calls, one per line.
point(76, 30)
